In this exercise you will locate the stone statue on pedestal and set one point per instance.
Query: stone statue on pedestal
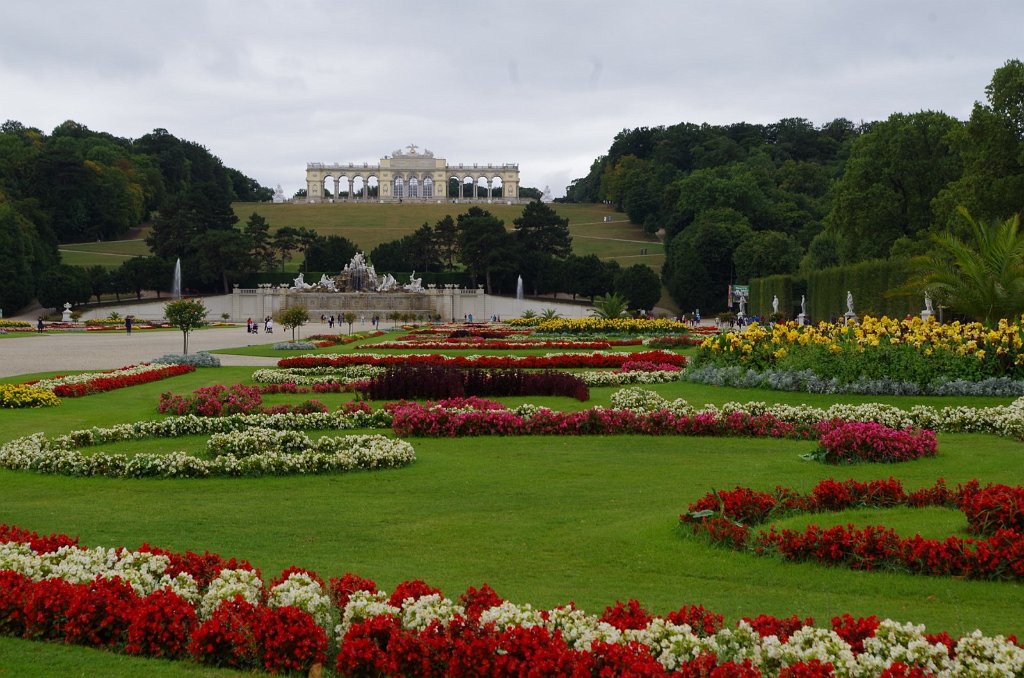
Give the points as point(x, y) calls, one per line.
point(849, 315)
point(66, 316)
point(929, 310)
point(775, 304)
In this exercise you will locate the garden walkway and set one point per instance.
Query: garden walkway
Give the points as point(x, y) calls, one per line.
point(109, 350)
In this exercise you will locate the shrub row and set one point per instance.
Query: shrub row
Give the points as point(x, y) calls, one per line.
point(427, 381)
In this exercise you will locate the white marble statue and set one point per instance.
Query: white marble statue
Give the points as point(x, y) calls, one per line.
point(326, 283)
point(775, 304)
point(300, 284)
point(387, 283)
point(803, 304)
point(415, 284)
point(849, 303)
point(928, 302)
point(66, 315)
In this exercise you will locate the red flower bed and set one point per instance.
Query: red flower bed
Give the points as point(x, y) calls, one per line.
point(102, 384)
point(107, 613)
point(724, 518)
point(556, 361)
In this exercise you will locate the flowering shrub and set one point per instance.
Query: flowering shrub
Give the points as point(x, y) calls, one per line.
point(994, 508)
point(723, 518)
point(295, 346)
point(845, 442)
point(16, 396)
point(161, 626)
point(548, 361)
point(416, 631)
point(439, 381)
point(229, 636)
point(100, 382)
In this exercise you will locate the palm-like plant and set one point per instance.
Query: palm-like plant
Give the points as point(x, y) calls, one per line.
point(983, 279)
point(549, 314)
point(610, 305)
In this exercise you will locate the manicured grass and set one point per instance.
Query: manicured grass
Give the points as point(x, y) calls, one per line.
point(543, 520)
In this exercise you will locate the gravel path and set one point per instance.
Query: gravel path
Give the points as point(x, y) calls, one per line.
point(109, 350)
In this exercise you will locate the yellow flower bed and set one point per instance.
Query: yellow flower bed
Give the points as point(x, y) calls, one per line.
point(18, 395)
point(15, 324)
point(595, 325)
point(1002, 343)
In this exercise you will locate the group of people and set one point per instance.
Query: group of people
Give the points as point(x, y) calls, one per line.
point(253, 326)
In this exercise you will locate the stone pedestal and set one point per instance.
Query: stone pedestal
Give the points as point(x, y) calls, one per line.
point(927, 315)
point(850, 315)
point(801, 319)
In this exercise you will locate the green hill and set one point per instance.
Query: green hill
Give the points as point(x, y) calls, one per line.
point(369, 224)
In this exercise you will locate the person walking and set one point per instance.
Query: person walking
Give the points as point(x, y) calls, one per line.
point(128, 324)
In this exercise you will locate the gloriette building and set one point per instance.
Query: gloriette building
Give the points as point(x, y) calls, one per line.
point(412, 175)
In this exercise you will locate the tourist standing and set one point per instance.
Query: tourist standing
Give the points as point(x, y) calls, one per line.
point(269, 325)
point(128, 324)
point(39, 325)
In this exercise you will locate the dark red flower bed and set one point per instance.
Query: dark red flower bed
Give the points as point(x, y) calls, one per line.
point(400, 382)
point(724, 517)
point(102, 384)
point(559, 361)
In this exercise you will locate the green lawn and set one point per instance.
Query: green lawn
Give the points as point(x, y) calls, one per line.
point(543, 520)
point(368, 225)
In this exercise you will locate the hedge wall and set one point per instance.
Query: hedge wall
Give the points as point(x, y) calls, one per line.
point(873, 284)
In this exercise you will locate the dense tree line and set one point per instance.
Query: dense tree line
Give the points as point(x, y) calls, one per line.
point(740, 201)
point(538, 248)
point(79, 185)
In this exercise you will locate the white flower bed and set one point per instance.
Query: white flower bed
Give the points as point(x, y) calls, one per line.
point(606, 378)
point(1007, 421)
point(243, 445)
point(146, 572)
point(306, 376)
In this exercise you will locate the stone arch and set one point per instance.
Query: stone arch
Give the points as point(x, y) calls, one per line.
point(344, 188)
point(327, 182)
point(467, 187)
point(372, 186)
point(413, 183)
point(358, 186)
point(428, 187)
point(497, 187)
point(398, 188)
point(480, 182)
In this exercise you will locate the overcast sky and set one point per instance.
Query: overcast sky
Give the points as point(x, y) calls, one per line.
point(269, 86)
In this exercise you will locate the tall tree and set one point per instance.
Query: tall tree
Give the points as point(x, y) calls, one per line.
point(484, 244)
point(257, 230)
point(894, 173)
point(540, 229)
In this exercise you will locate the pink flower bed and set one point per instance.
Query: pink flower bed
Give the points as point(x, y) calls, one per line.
point(436, 420)
point(844, 442)
point(221, 401)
